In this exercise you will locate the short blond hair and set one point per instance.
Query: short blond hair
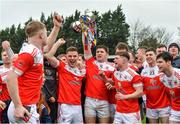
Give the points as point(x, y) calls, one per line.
point(33, 27)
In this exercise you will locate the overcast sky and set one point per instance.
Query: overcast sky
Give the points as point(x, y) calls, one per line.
point(157, 13)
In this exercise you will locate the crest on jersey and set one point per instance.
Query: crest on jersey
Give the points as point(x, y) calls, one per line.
point(153, 82)
point(20, 63)
point(172, 93)
point(76, 78)
point(119, 84)
point(103, 66)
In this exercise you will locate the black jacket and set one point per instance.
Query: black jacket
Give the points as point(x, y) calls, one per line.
point(50, 84)
point(176, 62)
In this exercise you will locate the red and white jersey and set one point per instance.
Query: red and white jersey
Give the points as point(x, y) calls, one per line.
point(133, 67)
point(0, 79)
point(173, 87)
point(29, 67)
point(145, 64)
point(112, 92)
point(125, 82)
point(0, 85)
point(70, 82)
point(95, 86)
point(111, 95)
point(4, 95)
point(154, 90)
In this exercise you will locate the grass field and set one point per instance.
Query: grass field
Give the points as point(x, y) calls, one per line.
point(144, 121)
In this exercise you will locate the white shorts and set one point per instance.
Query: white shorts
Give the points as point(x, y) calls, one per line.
point(157, 113)
point(34, 119)
point(127, 118)
point(112, 109)
point(68, 114)
point(96, 108)
point(174, 115)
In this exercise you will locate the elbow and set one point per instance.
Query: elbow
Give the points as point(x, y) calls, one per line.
point(10, 76)
point(47, 56)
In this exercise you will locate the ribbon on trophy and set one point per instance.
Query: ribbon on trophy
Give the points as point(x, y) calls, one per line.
point(87, 25)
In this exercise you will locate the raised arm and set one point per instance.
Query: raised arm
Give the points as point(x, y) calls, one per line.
point(86, 47)
point(6, 46)
point(57, 21)
point(50, 55)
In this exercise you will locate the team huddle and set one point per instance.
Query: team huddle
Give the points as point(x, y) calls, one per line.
point(114, 92)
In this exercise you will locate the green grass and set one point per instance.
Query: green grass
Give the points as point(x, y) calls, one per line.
point(144, 120)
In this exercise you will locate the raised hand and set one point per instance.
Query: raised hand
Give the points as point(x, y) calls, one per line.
point(57, 20)
point(5, 44)
point(61, 41)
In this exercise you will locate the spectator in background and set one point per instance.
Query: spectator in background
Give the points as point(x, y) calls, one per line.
point(44, 110)
point(174, 49)
point(132, 57)
point(141, 58)
point(62, 57)
point(50, 89)
point(160, 49)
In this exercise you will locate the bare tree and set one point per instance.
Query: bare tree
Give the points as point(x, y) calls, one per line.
point(162, 36)
point(141, 34)
point(138, 32)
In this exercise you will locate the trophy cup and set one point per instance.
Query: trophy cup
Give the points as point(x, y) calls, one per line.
point(87, 26)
